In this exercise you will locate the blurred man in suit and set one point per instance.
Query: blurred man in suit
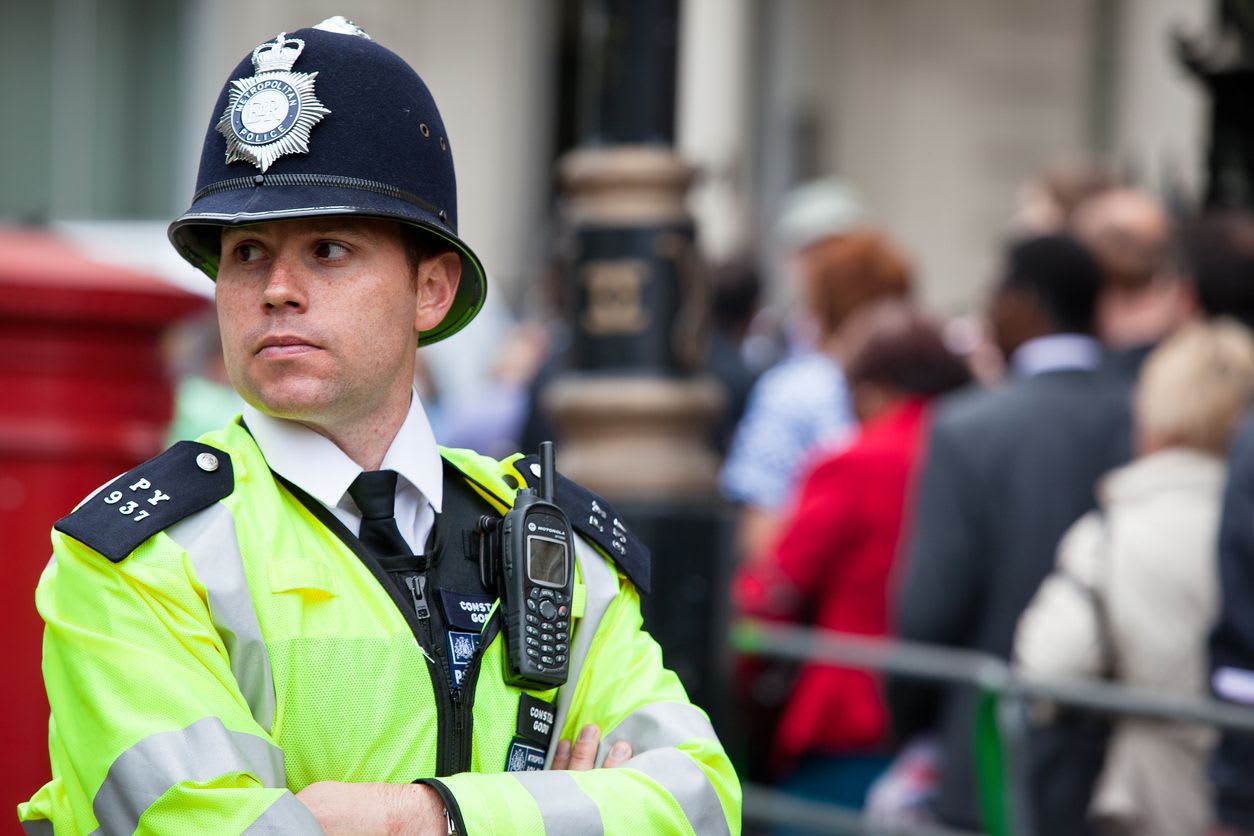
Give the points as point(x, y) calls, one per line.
point(1008, 470)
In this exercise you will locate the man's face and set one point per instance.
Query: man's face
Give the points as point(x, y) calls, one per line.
point(318, 317)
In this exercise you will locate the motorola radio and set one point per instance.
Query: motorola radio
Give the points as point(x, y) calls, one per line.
point(527, 557)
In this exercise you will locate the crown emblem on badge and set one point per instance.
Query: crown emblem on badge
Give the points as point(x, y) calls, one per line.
point(270, 114)
point(277, 55)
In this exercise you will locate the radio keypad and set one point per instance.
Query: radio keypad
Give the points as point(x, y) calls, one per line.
point(547, 626)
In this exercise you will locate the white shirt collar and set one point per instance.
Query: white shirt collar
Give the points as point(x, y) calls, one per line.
point(1056, 352)
point(313, 463)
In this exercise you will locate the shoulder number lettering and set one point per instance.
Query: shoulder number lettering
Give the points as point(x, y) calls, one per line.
point(131, 506)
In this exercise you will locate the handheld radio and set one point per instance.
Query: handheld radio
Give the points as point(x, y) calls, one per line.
point(528, 558)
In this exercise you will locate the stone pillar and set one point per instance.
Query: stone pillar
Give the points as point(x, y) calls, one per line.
point(634, 423)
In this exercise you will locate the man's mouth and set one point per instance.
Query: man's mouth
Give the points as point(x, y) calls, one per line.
point(284, 345)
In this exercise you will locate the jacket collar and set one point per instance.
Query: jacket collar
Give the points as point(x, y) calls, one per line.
point(1056, 352)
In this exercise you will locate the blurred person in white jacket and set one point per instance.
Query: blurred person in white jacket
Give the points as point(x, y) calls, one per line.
point(1147, 560)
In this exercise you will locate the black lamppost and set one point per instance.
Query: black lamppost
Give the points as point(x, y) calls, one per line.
point(634, 415)
point(624, 189)
point(1224, 63)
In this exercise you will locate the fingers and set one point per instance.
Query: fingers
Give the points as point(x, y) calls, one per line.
point(561, 756)
point(619, 754)
point(582, 755)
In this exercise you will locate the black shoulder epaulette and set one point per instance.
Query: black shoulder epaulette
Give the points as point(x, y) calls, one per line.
point(596, 520)
point(187, 478)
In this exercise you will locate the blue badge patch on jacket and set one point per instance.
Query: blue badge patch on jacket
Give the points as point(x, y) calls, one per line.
point(596, 520)
point(523, 757)
point(465, 613)
point(187, 478)
point(461, 650)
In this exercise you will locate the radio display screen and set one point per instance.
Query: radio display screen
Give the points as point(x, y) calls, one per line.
point(546, 561)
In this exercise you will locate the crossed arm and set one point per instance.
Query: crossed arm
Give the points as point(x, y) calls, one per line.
point(416, 809)
point(132, 643)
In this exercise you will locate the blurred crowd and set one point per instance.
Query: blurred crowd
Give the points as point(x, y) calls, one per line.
point(1063, 491)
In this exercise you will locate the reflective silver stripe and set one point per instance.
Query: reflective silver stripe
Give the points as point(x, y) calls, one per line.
point(200, 752)
point(687, 783)
point(285, 816)
point(658, 725)
point(601, 582)
point(37, 827)
point(210, 541)
point(564, 807)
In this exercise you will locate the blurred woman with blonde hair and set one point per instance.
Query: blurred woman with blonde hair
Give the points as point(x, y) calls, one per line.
point(1135, 589)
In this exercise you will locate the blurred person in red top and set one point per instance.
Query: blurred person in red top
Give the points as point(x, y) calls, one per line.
point(833, 561)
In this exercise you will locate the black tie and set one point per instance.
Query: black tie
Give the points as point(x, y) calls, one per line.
point(374, 491)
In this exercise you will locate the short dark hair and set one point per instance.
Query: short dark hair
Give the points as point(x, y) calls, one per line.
point(906, 351)
point(421, 245)
point(735, 289)
point(1062, 274)
point(1217, 252)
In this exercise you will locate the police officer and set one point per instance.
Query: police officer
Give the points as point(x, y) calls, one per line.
point(282, 627)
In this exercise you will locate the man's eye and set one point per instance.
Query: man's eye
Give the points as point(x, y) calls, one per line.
point(330, 249)
point(246, 252)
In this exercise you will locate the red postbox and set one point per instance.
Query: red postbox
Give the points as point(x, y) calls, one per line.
point(84, 396)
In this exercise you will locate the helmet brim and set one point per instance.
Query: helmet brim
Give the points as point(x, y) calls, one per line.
point(197, 233)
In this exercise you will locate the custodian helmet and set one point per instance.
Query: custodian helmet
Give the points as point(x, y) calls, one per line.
point(325, 121)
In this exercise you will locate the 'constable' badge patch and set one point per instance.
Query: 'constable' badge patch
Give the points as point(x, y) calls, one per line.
point(271, 113)
point(532, 736)
point(535, 720)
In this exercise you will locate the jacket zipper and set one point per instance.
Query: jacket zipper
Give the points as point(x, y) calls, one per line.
point(454, 706)
point(457, 728)
point(437, 672)
point(418, 590)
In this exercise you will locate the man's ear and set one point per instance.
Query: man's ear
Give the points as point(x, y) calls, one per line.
point(438, 277)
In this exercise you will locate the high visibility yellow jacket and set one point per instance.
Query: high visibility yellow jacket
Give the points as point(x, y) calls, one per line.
point(244, 652)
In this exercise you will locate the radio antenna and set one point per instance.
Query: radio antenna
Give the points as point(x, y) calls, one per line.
point(546, 471)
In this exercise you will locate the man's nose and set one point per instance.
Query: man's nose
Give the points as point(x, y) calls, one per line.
point(285, 287)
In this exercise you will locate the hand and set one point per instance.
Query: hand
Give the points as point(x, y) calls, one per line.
point(385, 809)
point(583, 755)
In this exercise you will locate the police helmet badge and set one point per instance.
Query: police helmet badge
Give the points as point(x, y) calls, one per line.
point(271, 113)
